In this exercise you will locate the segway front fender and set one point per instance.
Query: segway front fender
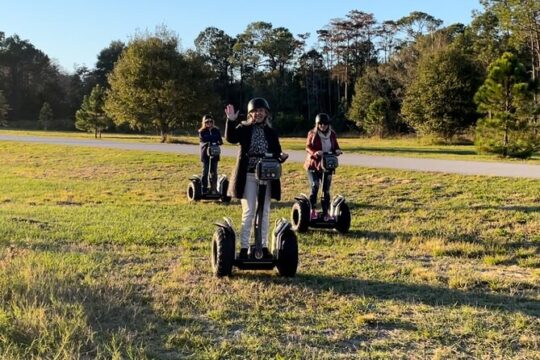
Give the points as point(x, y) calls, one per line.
point(222, 252)
point(285, 248)
point(342, 214)
point(300, 214)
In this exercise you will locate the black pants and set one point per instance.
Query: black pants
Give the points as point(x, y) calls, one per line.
point(315, 180)
point(209, 171)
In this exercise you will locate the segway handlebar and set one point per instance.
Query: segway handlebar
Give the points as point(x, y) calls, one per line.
point(282, 157)
point(336, 153)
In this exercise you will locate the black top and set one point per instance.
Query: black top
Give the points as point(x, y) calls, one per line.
point(236, 133)
point(206, 137)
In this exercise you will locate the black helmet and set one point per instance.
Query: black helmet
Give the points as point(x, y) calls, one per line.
point(207, 118)
point(257, 103)
point(322, 118)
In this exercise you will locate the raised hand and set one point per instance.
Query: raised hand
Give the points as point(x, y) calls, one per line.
point(229, 111)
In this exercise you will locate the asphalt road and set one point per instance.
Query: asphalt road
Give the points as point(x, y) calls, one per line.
point(372, 161)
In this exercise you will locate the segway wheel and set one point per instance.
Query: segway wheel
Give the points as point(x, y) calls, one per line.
point(224, 188)
point(194, 191)
point(288, 255)
point(300, 216)
point(222, 255)
point(343, 219)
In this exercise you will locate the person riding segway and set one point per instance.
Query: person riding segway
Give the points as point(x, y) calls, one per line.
point(256, 179)
point(321, 162)
point(210, 141)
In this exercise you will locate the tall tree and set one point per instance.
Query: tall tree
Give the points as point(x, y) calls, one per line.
point(28, 79)
point(377, 85)
point(312, 71)
point(439, 101)
point(521, 20)
point(419, 23)
point(504, 96)
point(386, 34)
point(216, 48)
point(27, 71)
point(4, 108)
point(489, 40)
point(153, 85)
point(91, 116)
point(106, 60)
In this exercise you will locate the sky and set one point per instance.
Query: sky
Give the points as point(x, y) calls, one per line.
point(73, 32)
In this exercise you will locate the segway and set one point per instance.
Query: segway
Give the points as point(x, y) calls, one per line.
point(339, 210)
point(217, 191)
point(284, 245)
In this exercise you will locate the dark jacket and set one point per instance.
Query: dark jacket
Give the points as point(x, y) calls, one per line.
point(314, 144)
point(241, 133)
point(207, 136)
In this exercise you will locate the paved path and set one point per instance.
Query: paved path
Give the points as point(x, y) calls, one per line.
point(373, 161)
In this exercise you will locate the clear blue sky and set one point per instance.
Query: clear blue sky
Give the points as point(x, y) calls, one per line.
point(74, 32)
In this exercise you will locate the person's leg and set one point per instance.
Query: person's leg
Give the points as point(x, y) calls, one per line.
point(204, 180)
point(325, 200)
point(249, 207)
point(213, 175)
point(314, 181)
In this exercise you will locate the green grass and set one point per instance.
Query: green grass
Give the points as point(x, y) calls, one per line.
point(407, 147)
point(101, 256)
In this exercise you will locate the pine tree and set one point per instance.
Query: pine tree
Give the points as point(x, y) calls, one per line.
point(506, 97)
point(45, 116)
point(91, 116)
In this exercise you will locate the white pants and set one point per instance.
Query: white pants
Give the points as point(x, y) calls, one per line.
point(249, 211)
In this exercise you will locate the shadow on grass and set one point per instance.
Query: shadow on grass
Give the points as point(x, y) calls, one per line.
point(425, 294)
point(526, 209)
point(282, 205)
point(379, 235)
point(119, 314)
point(411, 293)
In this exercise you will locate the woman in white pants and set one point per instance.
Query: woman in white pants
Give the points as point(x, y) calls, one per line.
point(256, 137)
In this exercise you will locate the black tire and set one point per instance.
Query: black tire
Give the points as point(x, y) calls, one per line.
point(194, 191)
point(300, 216)
point(288, 255)
point(224, 188)
point(343, 220)
point(222, 253)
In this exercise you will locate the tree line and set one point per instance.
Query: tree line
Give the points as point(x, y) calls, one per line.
point(411, 75)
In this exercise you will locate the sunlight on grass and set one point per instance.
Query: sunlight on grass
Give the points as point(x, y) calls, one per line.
point(102, 256)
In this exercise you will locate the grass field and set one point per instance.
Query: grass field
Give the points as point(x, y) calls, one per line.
point(407, 147)
point(101, 256)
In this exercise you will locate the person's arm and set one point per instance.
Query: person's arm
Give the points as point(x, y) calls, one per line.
point(309, 145)
point(220, 139)
point(231, 132)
